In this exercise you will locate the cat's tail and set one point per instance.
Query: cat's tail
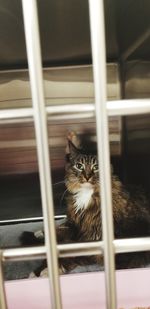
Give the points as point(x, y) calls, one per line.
point(29, 239)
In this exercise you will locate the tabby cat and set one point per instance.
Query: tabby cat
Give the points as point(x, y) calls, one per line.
point(131, 214)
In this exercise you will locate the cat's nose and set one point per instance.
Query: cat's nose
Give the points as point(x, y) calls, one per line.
point(88, 176)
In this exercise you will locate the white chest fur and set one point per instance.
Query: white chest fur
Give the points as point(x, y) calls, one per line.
point(83, 197)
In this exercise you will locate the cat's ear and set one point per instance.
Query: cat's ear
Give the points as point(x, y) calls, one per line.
point(74, 139)
point(72, 150)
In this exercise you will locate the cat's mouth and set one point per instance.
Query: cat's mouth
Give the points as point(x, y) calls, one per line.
point(86, 184)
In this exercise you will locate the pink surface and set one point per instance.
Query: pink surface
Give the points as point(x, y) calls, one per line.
point(84, 291)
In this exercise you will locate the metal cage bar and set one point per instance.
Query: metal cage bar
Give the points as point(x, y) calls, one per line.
point(78, 249)
point(39, 111)
point(30, 16)
point(86, 110)
point(3, 303)
point(96, 11)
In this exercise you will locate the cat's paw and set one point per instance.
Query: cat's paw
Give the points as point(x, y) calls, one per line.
point(62, 270)
point(32, 275)
point(39, 234)
point(44, 273)
point(30, 238)
point(27, 238)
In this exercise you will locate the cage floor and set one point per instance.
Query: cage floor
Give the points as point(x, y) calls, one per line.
point(84, 291)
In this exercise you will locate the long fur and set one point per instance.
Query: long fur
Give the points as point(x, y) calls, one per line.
point(131, 212)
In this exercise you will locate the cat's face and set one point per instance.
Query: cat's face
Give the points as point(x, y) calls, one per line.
point(81, 171)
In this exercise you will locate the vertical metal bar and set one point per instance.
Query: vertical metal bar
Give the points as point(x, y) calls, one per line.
point(36, 78)
point(97, 25)
point(2, 288)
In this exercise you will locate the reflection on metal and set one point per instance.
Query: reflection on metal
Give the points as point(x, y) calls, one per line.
point(31, 219)
point(36, 78)
point(78, 249)
point(128, 107)
point(21, 220)
point(99, 70)
point(132, 245)
point(80, 111)
point(93, 248)
point(24, 254)
point(2, 288)
point(131, 49)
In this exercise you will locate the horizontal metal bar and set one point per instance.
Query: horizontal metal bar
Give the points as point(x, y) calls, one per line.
point(21, 220)
point(132, 245)
point(86, 110)
point(77, 249)
point(30, 219)
point(128, 107)
point(24, 254)
point(81, 249)
point(90, 248)
point(54, 68)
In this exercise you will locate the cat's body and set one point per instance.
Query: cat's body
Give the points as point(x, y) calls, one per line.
point(131, 214)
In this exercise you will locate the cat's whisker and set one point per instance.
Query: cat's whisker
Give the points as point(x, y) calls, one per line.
point(59, 182)
point(62, 197)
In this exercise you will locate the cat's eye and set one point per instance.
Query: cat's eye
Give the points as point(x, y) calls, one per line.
point(79, 166)
point(95, 167)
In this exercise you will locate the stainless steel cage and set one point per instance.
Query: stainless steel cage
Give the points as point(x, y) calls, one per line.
point(102, 109)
